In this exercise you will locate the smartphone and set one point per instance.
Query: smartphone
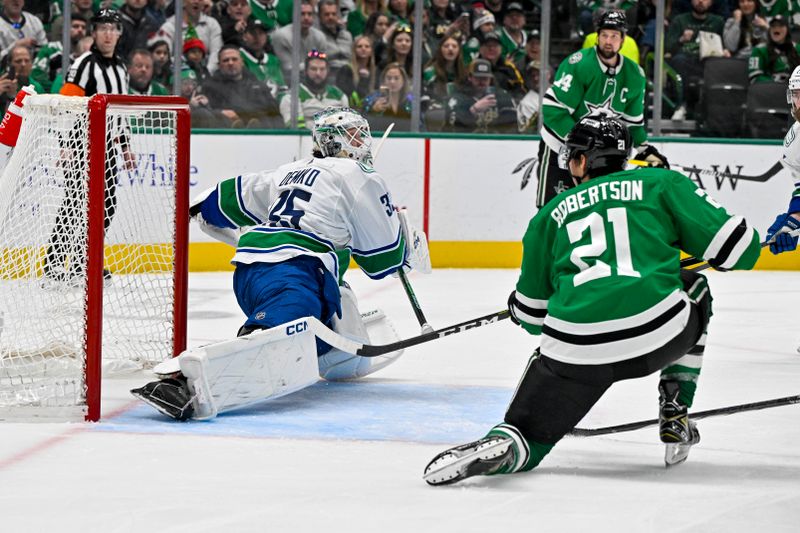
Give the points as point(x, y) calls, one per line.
point(11, 73)
point(384, 91)
point(490, 89)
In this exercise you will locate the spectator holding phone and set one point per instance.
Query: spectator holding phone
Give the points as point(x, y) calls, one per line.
point(480, 106)
point(392, 102)
point(17, 75)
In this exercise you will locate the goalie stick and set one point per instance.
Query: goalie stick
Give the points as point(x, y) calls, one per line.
point(329, 336)
point(412, 298)
point(721, 411)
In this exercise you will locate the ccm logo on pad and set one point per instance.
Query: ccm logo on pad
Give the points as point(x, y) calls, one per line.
point(299, 327)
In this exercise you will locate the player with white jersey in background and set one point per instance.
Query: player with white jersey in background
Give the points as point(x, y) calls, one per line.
point(789, 221)
point(301, 224)
point(601, 283)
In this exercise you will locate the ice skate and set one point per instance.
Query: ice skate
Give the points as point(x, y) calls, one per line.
point(170, 397)
point(676, 430)
point(480, 458)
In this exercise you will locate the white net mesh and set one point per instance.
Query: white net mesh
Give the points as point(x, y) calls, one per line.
point(43, 242)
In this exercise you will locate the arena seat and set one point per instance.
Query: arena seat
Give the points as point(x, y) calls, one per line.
point(767, 113)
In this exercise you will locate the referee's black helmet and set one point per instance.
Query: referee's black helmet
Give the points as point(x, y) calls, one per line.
point(106, 16)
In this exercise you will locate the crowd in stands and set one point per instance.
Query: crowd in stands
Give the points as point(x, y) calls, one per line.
point(481, 59)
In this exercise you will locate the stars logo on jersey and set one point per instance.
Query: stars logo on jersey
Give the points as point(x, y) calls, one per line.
point(574, 58)
point(601, 109)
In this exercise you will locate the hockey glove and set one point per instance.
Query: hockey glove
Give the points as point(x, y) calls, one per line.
point(648, 153)
point(512, 301)
point(778, 235)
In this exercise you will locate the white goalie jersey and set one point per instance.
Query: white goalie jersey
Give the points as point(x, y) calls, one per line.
point(791, 155)
point(332, 208)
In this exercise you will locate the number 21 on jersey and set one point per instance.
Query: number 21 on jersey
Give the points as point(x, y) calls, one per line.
point(617, 218)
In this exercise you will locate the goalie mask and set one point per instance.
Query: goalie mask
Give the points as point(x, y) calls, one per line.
point(794, 89)
point(605, 141)
point(342, 132)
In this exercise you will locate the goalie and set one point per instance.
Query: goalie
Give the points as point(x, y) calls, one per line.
point(300, 225)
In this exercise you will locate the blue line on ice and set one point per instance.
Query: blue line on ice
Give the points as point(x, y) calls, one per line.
point(367, 410)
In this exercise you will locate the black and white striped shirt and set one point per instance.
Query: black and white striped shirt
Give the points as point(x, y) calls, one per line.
point(95, 74)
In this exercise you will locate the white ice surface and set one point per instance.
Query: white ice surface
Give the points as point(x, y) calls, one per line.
point(350, 457)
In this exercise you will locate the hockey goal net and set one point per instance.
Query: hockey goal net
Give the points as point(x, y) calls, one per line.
point(93, 248)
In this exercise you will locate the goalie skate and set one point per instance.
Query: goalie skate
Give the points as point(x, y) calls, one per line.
point(480, 458)
point(170, 397)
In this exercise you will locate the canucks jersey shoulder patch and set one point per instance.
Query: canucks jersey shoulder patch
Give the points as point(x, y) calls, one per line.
point(790, 137)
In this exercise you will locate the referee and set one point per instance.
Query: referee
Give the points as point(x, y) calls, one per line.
point(98, 71)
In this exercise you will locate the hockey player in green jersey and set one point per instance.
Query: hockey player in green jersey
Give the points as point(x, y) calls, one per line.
point(601, 283)
point(597, 80)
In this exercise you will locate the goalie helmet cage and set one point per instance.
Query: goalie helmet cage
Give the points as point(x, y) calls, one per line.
point(93, 272)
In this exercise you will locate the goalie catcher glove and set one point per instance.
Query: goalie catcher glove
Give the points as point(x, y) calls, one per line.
point(779, 234)
point(12, 120)
point(649, 154)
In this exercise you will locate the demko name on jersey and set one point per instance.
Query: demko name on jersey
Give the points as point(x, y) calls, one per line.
point(626, 191)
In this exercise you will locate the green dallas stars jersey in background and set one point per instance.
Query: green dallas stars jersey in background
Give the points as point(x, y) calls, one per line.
point(600, 268)
point(278, 14)
point(583, 86)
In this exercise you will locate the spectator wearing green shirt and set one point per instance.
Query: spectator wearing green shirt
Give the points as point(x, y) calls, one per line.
point(512, 34)
point(47, 63)
point(776, 59)
point(140, 70)
point(682, 42)
point(263, 65)
point(357, 18)
point(273, 13)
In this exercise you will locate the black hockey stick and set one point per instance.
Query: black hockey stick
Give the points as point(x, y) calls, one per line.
point(722, 411)
point(761, 178)
point(530, 163)
point(689, 262)
point(412, 298)
point(367, 350)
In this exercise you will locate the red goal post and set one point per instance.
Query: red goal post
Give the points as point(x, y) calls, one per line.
point(94, 243)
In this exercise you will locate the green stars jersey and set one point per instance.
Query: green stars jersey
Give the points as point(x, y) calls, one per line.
point(312, 103)
point(584, 85)
point(46, 64)
point(266, 69)
point(330, 208)
point(600, 276)
point(760, 69)
point(278, 14)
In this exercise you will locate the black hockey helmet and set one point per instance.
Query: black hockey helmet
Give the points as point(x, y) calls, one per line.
point(605, 141)
point(106, 16)
point(613, 20)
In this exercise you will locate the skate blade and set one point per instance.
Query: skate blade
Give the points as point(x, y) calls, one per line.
point(454, 464)
point(676, 454)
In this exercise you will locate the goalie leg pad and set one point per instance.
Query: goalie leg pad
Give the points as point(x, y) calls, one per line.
point(265, 364)
point(337, 365)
